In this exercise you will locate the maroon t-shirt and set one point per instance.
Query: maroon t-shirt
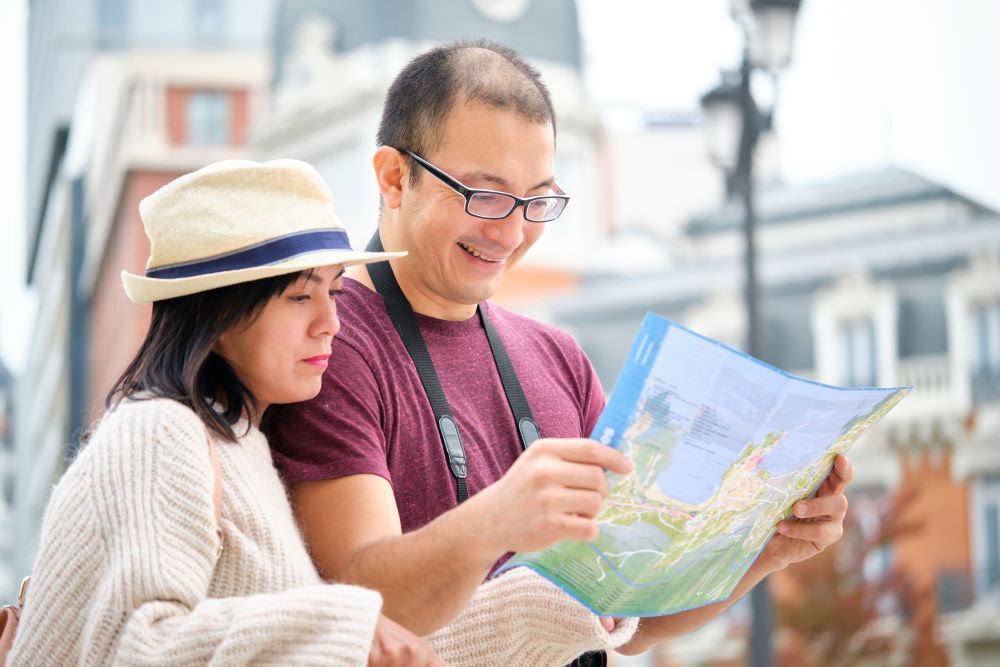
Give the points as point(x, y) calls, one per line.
point(372, 415)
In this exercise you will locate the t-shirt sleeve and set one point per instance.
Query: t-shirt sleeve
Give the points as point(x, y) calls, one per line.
point(593, 396)
point(338, 433)
point(586, 383)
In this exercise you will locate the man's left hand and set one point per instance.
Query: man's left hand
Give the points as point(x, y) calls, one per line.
point(818, 522)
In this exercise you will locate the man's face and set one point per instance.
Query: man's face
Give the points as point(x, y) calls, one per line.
point(457, 259)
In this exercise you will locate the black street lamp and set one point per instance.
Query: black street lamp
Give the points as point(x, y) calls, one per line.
point(733, 124)
point(722, 118)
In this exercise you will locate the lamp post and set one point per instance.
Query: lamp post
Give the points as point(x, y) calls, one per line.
point(733, 123)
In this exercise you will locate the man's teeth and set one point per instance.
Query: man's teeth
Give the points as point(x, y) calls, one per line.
point(476, 253)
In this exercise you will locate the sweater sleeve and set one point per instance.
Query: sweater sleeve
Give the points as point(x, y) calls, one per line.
point(522, 618)
point(148, 487)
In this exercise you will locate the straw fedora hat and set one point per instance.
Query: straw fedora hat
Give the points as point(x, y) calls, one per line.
point(236, 221)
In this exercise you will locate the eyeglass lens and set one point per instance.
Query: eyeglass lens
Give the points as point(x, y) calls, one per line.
point(495, 205)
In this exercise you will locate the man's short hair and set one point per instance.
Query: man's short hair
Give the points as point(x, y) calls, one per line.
point(425, 91)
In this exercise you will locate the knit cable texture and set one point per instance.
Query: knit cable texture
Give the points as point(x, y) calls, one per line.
point(520, 618)
point(126, 572)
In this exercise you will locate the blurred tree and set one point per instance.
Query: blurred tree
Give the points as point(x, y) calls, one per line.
point(851, 605)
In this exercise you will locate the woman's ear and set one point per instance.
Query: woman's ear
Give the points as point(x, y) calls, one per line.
point(390, 170)
point(219, 343)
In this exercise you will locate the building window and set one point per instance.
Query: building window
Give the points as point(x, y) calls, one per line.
point(112, 20)
point(984, 352)
point(857, 350)
point(992, 519)
point(855, 331)
point(953, 591)
point(989, 518)
point(209, 117)
point(210, 17)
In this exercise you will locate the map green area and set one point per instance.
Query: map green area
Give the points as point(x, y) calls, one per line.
point(723, 446)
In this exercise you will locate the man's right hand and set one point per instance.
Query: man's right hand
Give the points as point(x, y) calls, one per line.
point(351, 524)
point(551, 493)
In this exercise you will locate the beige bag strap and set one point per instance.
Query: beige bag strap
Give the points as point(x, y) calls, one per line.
point(216, 489)
point(9, 618)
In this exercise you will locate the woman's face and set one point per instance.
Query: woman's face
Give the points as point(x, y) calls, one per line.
point(282, 354)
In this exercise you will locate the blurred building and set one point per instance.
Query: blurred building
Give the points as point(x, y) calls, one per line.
point(124, 95)
point(6, 474)
point(884, 279)
point(63, 36)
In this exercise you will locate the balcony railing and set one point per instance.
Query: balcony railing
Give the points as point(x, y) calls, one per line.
point(929, 375)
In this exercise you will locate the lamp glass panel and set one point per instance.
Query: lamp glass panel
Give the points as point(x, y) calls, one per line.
point(722, 123)
point(773, 34)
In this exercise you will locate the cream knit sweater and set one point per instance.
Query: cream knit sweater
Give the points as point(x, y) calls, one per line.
point(127, 573)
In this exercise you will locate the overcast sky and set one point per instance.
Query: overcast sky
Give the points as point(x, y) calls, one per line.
point(916, 84)
point(912, 83)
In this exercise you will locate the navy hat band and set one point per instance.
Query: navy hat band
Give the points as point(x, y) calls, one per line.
point(263, 254)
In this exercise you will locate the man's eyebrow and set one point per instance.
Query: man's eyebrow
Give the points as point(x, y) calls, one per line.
point(501, 183)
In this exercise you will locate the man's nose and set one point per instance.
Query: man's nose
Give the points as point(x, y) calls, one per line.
point(507, 232)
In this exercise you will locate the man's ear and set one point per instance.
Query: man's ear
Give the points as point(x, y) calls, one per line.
point(390, 170)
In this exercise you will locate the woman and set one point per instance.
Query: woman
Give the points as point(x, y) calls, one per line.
point(134, 567)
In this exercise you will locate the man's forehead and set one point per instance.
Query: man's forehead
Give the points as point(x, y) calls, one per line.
point(464, 112)
point(482, 143)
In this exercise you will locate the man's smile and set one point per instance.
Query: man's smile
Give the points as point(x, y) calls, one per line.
point(476, 253)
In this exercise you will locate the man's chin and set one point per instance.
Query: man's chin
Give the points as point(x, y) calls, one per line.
point(473, 295)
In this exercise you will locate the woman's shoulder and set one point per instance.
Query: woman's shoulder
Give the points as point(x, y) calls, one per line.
point(152, 409)
point(145, 448)
point(146, 419)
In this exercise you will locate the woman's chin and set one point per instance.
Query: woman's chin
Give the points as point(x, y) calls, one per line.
point(301, 393)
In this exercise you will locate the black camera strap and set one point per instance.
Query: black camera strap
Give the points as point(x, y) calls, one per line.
point(405, 321)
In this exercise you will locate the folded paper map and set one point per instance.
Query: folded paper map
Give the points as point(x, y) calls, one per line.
point(723, 446)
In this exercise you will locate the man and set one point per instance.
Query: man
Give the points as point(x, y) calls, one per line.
point(368, 471)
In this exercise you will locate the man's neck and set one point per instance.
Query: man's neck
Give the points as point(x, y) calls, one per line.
point(420, 302)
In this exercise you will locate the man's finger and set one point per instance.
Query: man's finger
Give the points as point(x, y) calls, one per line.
point(840, 475)
point(820, 534)
point(582, 476)
point(834, 507)
point(590, 451)
point(579, 528)
point(581, 503)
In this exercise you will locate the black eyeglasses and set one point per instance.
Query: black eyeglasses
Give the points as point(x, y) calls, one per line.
point(495, 205)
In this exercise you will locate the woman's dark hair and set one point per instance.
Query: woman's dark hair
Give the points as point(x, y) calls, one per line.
point(176, 360)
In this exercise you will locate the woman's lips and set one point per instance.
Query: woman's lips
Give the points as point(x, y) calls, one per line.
point(319, 361)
